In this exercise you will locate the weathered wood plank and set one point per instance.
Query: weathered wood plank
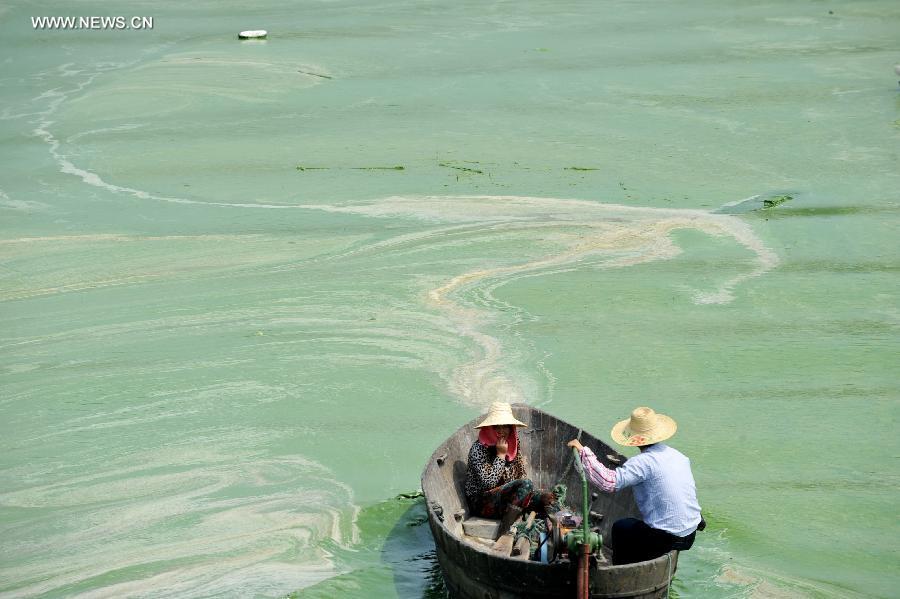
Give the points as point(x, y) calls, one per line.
point(521, 548)
point(483, 528)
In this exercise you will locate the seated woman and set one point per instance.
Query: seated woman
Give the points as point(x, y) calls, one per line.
point(495, 475)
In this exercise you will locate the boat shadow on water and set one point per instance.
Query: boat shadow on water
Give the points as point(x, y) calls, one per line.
point(409, 550)
point(395, 556)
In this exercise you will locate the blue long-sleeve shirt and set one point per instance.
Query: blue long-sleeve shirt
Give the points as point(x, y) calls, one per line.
point(663, 483)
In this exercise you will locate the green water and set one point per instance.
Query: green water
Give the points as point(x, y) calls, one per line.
point(217, 369)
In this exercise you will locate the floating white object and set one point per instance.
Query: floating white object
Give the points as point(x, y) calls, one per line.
point(254, 34)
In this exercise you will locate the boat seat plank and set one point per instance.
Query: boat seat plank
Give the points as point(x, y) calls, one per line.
point(482, 528)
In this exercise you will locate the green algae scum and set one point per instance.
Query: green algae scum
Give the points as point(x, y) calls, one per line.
point(248, 286)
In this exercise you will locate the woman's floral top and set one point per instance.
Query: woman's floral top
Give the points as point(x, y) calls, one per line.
point(486, 470)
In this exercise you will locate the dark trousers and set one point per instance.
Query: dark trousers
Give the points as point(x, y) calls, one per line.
point(519, 492)
point(634, 541)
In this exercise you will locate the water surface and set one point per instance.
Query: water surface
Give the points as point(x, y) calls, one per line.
point(247, 287)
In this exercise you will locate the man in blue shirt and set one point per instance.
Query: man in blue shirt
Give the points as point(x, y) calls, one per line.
point(663, 485)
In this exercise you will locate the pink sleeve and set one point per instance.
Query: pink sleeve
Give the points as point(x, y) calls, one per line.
point(596, 472)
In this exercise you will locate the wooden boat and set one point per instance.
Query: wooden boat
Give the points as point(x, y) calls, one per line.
point(472, 569)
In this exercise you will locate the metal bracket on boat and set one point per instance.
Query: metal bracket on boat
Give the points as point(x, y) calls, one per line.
point(458, 516)
point(441, 459)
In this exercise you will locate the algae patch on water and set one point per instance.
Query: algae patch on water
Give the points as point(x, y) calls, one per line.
point(314, 74)
point(773, 201)
point(756, 203)
point(465, 169)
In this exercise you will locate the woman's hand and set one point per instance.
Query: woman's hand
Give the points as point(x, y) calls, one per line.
point(502, 447)
point(576, 444)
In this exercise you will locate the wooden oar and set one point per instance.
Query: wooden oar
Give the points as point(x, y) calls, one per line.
point(530, 522)
point(504, 544)
point(522, 548)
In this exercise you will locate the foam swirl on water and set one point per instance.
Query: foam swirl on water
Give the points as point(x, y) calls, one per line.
point(190, 521)
point(581, 232)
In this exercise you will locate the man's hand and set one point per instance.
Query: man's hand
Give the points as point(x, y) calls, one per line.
point(576, 444)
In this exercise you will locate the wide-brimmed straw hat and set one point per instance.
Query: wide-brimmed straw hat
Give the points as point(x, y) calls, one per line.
point(645, 427)
point(499, 414)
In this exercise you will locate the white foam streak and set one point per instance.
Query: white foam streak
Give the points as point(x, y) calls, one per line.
point(21, 205)
point(57, 98)
point(608, 236)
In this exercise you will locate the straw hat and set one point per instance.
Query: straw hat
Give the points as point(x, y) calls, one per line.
point(645, 427)
point(500, 413)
